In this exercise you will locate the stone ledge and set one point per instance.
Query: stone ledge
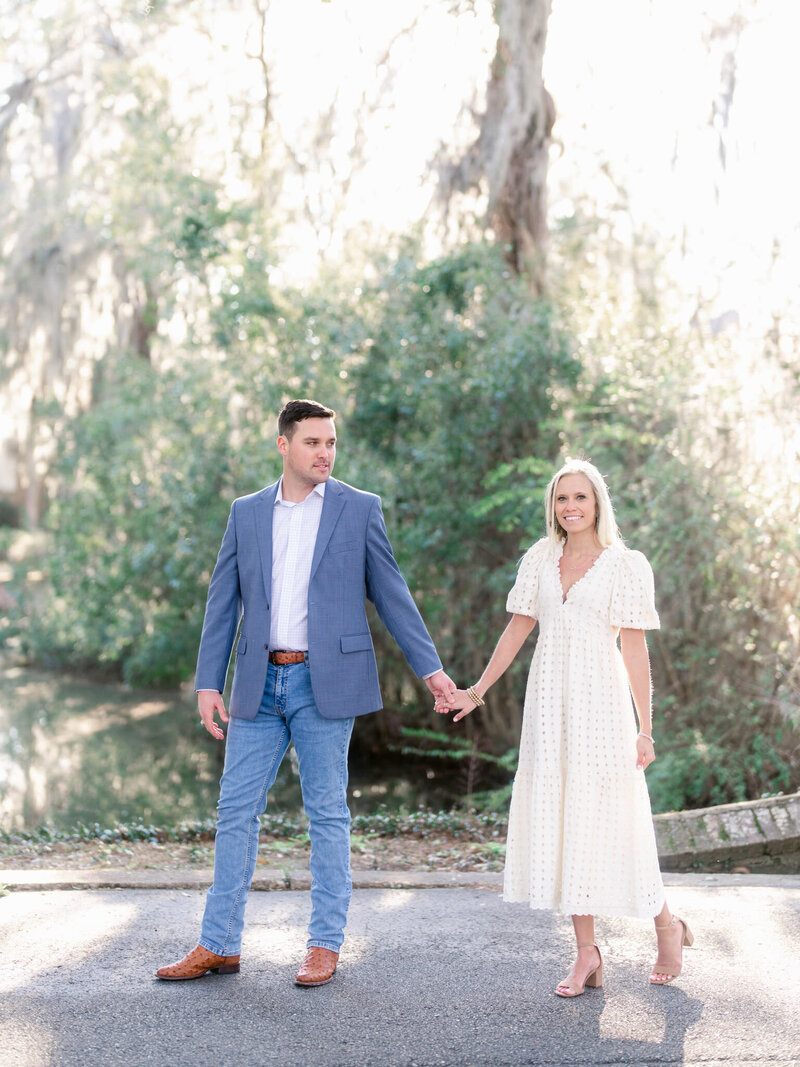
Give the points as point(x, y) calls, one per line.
point(730, 832)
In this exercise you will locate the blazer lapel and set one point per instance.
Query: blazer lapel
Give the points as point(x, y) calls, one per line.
point(264, 512)
point(331, 510)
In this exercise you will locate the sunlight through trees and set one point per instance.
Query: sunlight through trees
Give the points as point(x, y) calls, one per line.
point(481, 244)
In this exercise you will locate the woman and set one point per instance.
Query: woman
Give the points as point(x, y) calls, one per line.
point(580, 833)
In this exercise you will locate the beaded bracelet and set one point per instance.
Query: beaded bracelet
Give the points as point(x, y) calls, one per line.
point(649, 738)
point(477, 700)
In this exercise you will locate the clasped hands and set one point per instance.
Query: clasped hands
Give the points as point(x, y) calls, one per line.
point(448, 697)
point(459, 701)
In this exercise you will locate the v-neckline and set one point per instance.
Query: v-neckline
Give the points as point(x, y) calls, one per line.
point(586, 573)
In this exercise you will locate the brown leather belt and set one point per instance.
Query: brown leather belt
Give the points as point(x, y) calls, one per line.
point(284, 658)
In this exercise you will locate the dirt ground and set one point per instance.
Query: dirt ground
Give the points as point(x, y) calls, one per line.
point(441, 851)
point(406, 852)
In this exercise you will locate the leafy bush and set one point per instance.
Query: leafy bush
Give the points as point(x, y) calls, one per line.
point(135, 527)
point(461, 376)
point(459, 394)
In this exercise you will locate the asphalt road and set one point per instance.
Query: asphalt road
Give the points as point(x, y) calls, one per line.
point(427, 977)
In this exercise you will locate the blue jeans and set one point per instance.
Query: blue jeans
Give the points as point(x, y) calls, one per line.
point(253, 753)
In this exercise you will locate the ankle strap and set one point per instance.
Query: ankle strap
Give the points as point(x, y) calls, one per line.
point(586, 944)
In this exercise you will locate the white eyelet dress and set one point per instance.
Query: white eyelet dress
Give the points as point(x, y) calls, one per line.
point(580, 833)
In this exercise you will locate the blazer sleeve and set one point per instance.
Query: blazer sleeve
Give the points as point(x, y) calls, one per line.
point(387, 589)
point(223, 612)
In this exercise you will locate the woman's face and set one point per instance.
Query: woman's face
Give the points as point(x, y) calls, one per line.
point(574, 503)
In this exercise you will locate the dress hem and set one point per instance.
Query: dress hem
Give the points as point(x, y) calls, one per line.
point(614, 911)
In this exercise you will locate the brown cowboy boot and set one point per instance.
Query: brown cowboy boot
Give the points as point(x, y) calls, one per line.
point(199, 962)
point(318, 967)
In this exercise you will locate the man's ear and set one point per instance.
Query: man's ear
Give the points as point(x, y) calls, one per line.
point(283, 444)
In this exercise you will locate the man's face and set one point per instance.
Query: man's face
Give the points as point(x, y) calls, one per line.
point(309, 454)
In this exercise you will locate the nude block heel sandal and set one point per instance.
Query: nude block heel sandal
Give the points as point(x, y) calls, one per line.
point(670, 967)
point(593, 980)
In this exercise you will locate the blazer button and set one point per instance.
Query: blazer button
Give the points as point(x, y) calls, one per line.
point(266, 646)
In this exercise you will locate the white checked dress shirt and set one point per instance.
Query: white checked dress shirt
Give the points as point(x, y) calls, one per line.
point(294, 534)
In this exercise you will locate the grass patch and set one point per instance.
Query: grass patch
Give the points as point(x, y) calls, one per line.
point(293, 830)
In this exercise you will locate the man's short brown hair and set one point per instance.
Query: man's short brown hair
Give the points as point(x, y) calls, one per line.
point(297, 410)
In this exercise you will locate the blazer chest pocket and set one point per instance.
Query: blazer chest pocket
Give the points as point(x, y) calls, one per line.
point(241, 648)
point(356, 643)
point(343, 546)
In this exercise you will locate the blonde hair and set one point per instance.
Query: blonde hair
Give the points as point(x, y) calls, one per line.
point(605, 523)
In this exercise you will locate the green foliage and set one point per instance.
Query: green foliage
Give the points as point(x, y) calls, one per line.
point(697, 771)
point(381, 823)
point(691, 492)
point(452, 748)
point(148, 474)
point(461, 375)
point(135, 526)
point(169, 221)
point(459, 395)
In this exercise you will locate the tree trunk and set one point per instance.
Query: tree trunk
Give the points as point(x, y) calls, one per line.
point(511, 151)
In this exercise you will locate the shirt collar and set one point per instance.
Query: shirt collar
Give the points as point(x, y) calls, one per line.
point(319, 489)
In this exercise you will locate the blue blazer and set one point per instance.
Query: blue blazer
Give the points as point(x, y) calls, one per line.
point(352, 560)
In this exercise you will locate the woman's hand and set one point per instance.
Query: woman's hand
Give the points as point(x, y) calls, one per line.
point(645, 752)
point(462, 703)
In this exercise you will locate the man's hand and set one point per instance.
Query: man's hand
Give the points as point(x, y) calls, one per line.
point(442, 686)
point(208, 703)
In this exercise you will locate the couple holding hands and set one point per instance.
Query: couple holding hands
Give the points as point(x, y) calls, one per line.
point(296, 565)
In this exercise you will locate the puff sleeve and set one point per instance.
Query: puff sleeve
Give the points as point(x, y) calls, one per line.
point(524, 597)
point(633, 604)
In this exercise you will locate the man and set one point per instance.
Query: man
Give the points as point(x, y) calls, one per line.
point(296, 562)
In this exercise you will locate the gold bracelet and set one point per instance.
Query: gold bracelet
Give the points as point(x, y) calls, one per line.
point(477, 700)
